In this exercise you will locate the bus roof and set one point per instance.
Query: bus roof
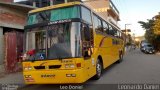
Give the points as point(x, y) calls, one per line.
point(70, 4)
point(54, 6)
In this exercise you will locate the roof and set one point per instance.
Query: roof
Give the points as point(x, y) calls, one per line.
point(21, 7)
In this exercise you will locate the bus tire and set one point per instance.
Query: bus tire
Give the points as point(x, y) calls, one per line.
point(99, 68)
point(120, 57)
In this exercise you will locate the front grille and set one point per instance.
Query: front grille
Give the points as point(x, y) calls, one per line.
point(54, 66)
point(39, 67)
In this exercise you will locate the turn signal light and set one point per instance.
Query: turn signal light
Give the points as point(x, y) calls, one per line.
point(78, 65)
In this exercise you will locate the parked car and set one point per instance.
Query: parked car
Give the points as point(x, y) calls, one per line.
point(142, 44)
point(148, 49)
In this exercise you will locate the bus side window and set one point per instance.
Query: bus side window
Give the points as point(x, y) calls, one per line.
point(111, 30)
point(116, 34)
point(105, 28)
point(86, 40)
point(97, 24)
point(119, 34)
point(85, 32)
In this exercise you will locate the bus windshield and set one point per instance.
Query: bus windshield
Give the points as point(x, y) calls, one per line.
point(56, 41)
point(54, 15)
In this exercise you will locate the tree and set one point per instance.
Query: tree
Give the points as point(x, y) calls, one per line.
point(129, 42)
point(147, 25)
point(156, 26)
point(149, 35)
point(152, 27)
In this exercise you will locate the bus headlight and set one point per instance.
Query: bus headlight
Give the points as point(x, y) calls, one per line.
point(27, 68)
point(70, 75)
point(69, 65)
point(27, 76)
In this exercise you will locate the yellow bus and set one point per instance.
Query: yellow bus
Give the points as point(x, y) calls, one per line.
point(68, 43)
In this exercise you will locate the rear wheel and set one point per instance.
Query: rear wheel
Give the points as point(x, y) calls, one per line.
point(98, 70)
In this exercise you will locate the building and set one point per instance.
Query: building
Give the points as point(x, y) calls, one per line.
point(6, 1)
point(104, 8)
point(12, 21)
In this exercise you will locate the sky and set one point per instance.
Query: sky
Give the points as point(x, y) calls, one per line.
point(132, 11)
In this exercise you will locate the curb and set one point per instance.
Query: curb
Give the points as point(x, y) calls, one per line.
point(158, 53)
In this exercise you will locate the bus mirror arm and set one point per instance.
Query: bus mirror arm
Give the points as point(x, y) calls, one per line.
point(86, 53)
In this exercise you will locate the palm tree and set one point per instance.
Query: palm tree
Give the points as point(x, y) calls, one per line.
point(147, 25)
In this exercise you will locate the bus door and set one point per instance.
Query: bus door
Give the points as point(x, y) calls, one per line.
point(87, 48)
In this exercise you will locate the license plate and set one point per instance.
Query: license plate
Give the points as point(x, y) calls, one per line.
point(47, 75)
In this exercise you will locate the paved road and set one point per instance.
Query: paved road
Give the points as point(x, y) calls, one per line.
point(136, 68)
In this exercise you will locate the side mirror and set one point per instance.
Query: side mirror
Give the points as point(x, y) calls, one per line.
point(87, 33)
point(87, 54)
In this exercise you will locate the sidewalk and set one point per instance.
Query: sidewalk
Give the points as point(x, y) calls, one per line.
point(12, 78)
point(158, 53)
point(2, 71)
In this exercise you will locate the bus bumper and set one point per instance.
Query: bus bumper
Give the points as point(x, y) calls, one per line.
point(55, 76)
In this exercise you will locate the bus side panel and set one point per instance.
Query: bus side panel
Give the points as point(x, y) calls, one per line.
point(105, 49)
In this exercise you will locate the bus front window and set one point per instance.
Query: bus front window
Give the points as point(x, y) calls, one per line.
point(56, 41)
point(35, 44)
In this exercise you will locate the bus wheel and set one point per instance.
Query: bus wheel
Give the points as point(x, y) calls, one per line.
point(98, 70)
point(120, 57)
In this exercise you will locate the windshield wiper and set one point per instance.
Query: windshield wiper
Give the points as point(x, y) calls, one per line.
point(40, 14)
point(44, 16)
point(33, 59)
point(59, 57)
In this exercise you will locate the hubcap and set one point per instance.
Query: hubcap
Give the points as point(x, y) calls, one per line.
point(99, 69)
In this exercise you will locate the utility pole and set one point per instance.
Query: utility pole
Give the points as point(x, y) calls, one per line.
point(34, 3)
point(51, 2)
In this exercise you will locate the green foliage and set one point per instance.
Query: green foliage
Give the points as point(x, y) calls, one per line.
point(147, 25)
point(156, 26)
point(152, 26)
point(128, 44)
point(130, 38)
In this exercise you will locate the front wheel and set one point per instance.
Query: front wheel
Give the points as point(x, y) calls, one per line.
point(98, 70)
point(120, 58)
